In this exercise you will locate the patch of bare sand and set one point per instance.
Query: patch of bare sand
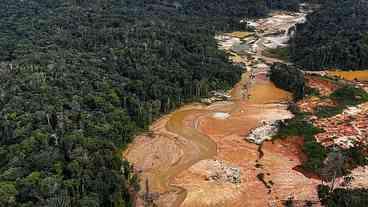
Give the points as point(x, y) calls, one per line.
point(203, 192)
point(153, 152)
point(280, 159)
point(158, 151)
point(360, 175)
point(197, 180)
point(174, 146)
point(277, 164)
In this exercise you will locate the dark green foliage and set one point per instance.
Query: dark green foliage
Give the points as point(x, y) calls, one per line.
point(315, 152)
point(333, 36)
point(239, 8)
point(328, 111)
point(323, 191)
point(343, 197)
point(348, 95)
point(79, 78)
point(298, 126)
point(356, 156)
point(289, 78)
point(281, 53)
point(311, 91)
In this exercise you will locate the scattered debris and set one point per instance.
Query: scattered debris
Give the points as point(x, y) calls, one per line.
point(264, 132)
point(324, 87)
point(216, 96)
point(218, 171)
point(310, 104)
point(345, 129)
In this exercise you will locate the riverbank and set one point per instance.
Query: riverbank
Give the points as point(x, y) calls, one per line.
point(175, 161)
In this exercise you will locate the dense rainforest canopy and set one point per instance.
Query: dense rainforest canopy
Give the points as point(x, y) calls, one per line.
point(334, 36)
point(79, 78)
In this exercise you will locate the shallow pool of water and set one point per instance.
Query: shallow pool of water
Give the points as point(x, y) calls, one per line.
point(361, 75)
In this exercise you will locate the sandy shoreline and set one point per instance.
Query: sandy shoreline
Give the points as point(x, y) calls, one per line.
point(183, 158)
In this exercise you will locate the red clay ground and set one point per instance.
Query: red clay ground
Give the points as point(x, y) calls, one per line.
point(180, 158)
point(277, 164)
point(323, 86)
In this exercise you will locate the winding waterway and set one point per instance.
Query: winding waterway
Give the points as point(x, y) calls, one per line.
point(181, 139)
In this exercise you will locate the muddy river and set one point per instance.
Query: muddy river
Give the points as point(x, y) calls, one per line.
point(199, 155)
point(361, 75)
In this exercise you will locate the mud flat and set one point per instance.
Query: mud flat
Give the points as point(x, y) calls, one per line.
point(199, 155)
point(351, 75)
point(172, 146)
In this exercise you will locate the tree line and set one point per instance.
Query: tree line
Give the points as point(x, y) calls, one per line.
point(78, 79)
point(334, 36)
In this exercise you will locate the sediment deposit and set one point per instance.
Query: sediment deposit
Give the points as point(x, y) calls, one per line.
point(206, 159)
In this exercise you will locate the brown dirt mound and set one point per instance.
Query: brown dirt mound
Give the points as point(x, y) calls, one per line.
point(324, 87)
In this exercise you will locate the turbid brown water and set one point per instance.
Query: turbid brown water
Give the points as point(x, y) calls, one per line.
point(351, 75)
point(185, 144)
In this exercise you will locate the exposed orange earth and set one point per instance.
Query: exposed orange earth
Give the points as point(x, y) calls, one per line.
point(361, 75)
point(346, 128)
point(277, 164)
point(198, 155)
point(324, 87)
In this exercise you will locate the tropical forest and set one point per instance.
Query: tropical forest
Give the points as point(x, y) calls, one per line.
point(191, 103)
